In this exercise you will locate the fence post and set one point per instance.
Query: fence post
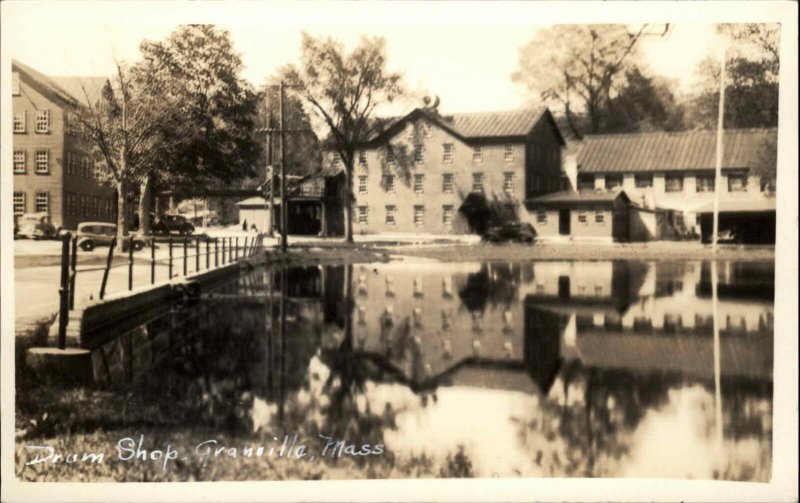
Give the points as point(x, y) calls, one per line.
point(224, 240)
point(170, 257)
point(73, 272)
point(197, 254)
point(244, 249)
point(109, 259)
point(236, 257)
point(130, 264)
point(216, 252)
point(208, 253)
point(185, 254)
point(63, 291)
point(152, 260)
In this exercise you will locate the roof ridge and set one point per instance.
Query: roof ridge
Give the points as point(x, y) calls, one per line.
point(677, 133)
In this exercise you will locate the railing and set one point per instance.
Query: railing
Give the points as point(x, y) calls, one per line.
point(184, 255)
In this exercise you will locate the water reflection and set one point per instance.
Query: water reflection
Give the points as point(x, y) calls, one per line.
point(533, 369)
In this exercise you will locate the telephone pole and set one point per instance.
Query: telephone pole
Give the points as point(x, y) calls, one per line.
point(720, 134)
point(284, 199)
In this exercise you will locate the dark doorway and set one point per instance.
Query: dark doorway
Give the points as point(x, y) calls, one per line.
point(564, 222)
point(563, 288)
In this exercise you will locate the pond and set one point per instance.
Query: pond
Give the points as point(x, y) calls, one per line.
point(582, 369)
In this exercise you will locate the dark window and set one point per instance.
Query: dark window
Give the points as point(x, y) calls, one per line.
point(737, 181)
point(643, 180)
point(613, 181)
point(673, 183)
point(705, 183)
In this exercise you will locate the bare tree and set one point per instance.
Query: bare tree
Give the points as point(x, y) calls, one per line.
point(344, 90)
point(125, 128)
point(579, 67)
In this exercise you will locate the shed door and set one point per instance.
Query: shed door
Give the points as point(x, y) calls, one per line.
point(564, 221)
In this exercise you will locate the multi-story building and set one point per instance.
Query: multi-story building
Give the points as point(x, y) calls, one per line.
point(52, 164)
point(418, 173)
point(676, 171)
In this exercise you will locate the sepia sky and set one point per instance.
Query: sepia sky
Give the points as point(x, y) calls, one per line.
point(465, 53)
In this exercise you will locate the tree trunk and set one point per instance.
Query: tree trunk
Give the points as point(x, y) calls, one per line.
point(348, 203)
point(122, 213)
point(145, 204)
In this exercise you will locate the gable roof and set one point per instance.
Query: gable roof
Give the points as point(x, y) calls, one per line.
point(511, 124)
point(75, 86)
point(47, 84)
point(686, 150)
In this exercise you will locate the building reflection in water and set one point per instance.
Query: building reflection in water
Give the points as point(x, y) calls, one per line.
point(533, 369)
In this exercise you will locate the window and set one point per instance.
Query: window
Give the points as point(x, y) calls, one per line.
point(426, 130)
point(585, 182)
point(335, 160)
point(419, 216)
point(447, 215)
point(362, 184)
point(447, 153)
point(362, 215)
point(447, 183)
point(15, 91)
point(19, 203)
point(70, 203)
point(362, 158)
point(410, 132)
point(477, 153)
point(388, 183)
point(43, 161)
point(613, 181)
point(705, 183)
point(643, 180)
point(85, 167)
point(84, 205)
point(42, 202)
point(19, 161)
point(508, 183)
point(673, 183)
point(582, 216)
point(390, 155)
point(418, 153)
point(477, 182)
point(737, 181)
point(419, 184)
point(599, 216)
point(390, 211)
point(20, 119)
point(508, 153)
point(43, 121)
point(541, 216)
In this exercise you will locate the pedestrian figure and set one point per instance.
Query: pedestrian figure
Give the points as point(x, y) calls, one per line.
point(254, 228)
point(244, 225)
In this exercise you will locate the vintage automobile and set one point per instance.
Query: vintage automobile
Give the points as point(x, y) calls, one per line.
point(36, 226)
point(169, 224)
point(93, 234)
point(517, 232)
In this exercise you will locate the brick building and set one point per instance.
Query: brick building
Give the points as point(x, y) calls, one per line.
point(417, 173)
point(52, 165)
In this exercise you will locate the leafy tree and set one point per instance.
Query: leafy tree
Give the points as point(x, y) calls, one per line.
point(645, 103)
point(581, 68)
point(752, 79)
point(126, 129)
point(343, 91)
point(198, 67)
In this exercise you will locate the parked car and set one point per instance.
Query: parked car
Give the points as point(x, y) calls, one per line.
point(173, 223)
point(93, 234)
point(518, 232)
point(37, 226)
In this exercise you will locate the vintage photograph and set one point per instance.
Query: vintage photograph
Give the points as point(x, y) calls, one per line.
point(288, 250)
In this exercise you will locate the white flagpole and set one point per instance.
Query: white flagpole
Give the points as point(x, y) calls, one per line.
point(720, 132)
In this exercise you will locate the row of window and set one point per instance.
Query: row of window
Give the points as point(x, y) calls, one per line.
point(737, 182)
point(418, 155)
point(388, 183)
point(41, 124)
point(41, 202)
point(80, 165)
point(390, 216)
point(41, 161)
point(90, 206)
point(583, 216)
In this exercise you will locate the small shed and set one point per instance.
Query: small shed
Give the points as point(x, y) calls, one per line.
point(254, 210)
point(750, 221)
point(600, 215)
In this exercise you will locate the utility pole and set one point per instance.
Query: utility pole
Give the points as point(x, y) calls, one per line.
point(270, 174)
point(284, 199)
point(720, 133)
